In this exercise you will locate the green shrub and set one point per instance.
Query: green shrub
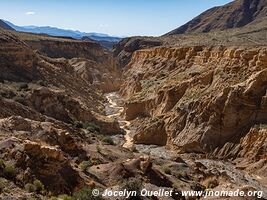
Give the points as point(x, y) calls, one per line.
point(167, 170)
point(133, 184)
point(30, 187)
point(7, 94)
point(36, 186)
point(53, 198)
point(96, 162)
point(212, 183)
point(42, 83)
point(9, 171)
point(78, 124)
point(39, 187)
point(85, 194)
point(19, 99)
point(2, 186)
point(108, 140)
point(98, 149)
point(85, 164)
point(90, 126)
point(23, 86)
point(64, 197)
point(180, 174)
point(2, 164)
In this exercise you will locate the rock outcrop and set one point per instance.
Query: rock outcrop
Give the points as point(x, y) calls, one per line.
point(207, 96)
point(69, 49)
point(52, 168)
point(123, 51)
point(17, 61)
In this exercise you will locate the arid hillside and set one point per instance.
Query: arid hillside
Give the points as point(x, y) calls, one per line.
point(5, 26)
point(236, 14)
point(44, 104)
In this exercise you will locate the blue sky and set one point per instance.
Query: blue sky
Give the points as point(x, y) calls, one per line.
point(114, 17)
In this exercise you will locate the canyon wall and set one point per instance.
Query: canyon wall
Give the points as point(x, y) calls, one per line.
point(69, 49)
point(49, 107)
point(201, 99)
point(17, 61)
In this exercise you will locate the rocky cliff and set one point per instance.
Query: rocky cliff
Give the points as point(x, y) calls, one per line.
point(17, 61)
point(49, 109)
point(201, 99)
point(69, 49)
point(123, 51)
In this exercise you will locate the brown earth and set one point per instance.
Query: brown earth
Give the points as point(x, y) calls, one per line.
point(236, 14)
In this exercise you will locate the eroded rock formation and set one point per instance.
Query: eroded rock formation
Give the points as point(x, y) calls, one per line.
point(208, 97)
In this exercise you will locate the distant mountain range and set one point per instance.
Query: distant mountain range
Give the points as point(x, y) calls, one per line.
point(53, 31)
point(5, 26)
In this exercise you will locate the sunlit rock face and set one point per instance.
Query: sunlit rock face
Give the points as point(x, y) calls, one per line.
point(206, 97)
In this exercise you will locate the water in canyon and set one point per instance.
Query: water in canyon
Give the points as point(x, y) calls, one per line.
point(114, 109)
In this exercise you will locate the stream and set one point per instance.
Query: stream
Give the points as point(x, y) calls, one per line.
point(114, 110)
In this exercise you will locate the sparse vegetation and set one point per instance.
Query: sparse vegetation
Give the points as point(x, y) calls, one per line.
point(2, 164)
point(9, 171)
point(54, 198)
point(85, 194)
point(212, 183)
point(78, 124)
point(1, 186)
point(133, 184)
point(85, 164)
point(23, 86)
point(9, 94)
point(37, 186)
point(42, 83)
point(64, 197)
point(98, 149)
point(91, 126)
point(180, 174)
point(19, 99)
point(96, 162)
point(167, 170)
point(106, 139)
point(30, 187)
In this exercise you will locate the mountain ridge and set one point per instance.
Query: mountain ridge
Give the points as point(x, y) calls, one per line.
point(235, 14)
point(5, 25)
point(54, 31)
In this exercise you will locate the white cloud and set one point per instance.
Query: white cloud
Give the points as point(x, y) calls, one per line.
point(30, 13)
